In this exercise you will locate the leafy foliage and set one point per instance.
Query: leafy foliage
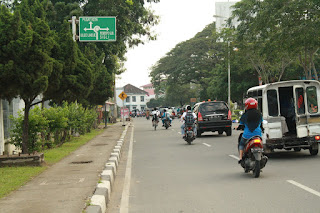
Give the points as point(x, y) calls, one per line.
point(55, 122)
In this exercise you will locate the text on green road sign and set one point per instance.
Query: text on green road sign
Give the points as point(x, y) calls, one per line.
point(97, 28)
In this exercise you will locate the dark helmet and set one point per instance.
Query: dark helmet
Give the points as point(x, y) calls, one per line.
point(154, 108)
point(164, 110)
point(188, 107)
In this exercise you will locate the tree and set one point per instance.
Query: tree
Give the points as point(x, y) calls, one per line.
point(31, 64)
point(275, 34)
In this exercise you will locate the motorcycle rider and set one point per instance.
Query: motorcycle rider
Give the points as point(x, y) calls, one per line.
point(155, 114)
point(183, 120)
point(251, 120)
point(164, 116)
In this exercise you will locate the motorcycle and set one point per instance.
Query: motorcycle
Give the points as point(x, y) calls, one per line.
point(155, 121)
point(189, 135)
point(253, 158)
point(167, 123)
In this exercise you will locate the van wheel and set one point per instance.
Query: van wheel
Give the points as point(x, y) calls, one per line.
point(297, 149)
point(229, 132)
point(314, 149)
point(198, 134)
point(220, 132)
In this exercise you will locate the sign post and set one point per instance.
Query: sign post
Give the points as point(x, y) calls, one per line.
point(100, 28)
point(123, 96)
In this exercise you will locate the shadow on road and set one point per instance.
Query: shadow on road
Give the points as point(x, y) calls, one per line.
point(283, 155)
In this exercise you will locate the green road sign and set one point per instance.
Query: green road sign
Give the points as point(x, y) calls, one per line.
point(100, 28)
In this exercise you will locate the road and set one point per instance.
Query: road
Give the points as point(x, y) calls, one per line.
point(164, 174)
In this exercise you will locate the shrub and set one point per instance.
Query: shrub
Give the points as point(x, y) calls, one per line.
point(37, 124)
point(55, 121)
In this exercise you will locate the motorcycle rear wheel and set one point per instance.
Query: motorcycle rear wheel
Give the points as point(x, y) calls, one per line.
point(257, 169)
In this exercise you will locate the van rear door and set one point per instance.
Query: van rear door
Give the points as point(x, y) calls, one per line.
point(301, 115)
point(312, 109)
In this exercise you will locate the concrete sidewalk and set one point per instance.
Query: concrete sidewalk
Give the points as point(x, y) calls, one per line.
point(67, 185)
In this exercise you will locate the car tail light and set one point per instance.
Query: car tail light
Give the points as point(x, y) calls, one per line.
point(229, 115)
point(317, 137)
point(200, 117)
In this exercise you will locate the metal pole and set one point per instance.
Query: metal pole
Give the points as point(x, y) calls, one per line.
point(105, 115)
point(229, 98)
point(123, 113)
point(74, 28)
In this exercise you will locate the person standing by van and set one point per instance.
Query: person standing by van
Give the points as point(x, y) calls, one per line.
point(251, 120)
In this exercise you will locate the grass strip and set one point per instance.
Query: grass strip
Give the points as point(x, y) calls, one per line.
point(12, 178)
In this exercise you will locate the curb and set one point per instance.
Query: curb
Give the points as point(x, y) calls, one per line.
point(101, 196)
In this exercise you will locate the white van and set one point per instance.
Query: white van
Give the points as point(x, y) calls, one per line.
point(291, 114)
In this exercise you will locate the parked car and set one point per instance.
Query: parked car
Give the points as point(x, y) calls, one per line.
point(213, 116)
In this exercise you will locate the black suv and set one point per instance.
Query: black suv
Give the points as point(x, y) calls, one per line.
point(213, 116)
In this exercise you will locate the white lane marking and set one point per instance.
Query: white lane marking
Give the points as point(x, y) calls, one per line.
point(206, 144)
point(172, 129)
point(43, 183)
point(179, 133)
point(124, 206)
point(235, 157)
point(304, 187)
point(81, 180)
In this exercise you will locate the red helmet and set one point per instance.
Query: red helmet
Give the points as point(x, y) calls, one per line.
point(251, 103)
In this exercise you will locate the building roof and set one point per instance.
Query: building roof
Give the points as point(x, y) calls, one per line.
point(147, 85)
point(134, 90)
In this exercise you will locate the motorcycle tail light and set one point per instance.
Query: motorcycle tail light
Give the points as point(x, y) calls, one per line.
point(317, 137)
point(256, 141)
point(229, 115)
point(200, 117)
point(189, 128)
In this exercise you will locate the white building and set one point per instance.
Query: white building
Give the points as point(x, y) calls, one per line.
point(136, 98)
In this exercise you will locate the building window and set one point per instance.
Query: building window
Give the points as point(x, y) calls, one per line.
point(128, 99)
point(133, 98)
point(142, 108)
point(142, 98)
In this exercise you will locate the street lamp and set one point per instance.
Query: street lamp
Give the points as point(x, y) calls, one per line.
point(229, 96)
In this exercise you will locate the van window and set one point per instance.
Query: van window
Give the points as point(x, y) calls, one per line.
point(312, 99)
point(272, 97)
point(300, 101)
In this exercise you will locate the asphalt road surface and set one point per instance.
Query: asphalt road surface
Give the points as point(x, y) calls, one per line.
point(161, 173)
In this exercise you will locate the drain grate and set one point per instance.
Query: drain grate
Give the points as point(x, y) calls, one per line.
point(81, 162)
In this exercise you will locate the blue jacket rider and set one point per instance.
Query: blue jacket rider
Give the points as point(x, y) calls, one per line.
point(164, 116)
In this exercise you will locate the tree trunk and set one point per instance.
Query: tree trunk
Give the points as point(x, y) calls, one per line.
point(25, 130)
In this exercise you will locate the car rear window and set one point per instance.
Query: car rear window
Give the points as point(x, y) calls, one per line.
point(217, 107)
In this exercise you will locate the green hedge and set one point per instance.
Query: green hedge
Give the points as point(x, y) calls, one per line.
point(53, 126)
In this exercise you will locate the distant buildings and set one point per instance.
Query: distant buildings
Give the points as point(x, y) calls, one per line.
point(150, 90)
point(136, 98)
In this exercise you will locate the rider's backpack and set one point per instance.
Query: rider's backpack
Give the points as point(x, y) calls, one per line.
point(189, 119)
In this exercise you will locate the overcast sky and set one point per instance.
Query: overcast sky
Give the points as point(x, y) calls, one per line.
point(180, 20)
